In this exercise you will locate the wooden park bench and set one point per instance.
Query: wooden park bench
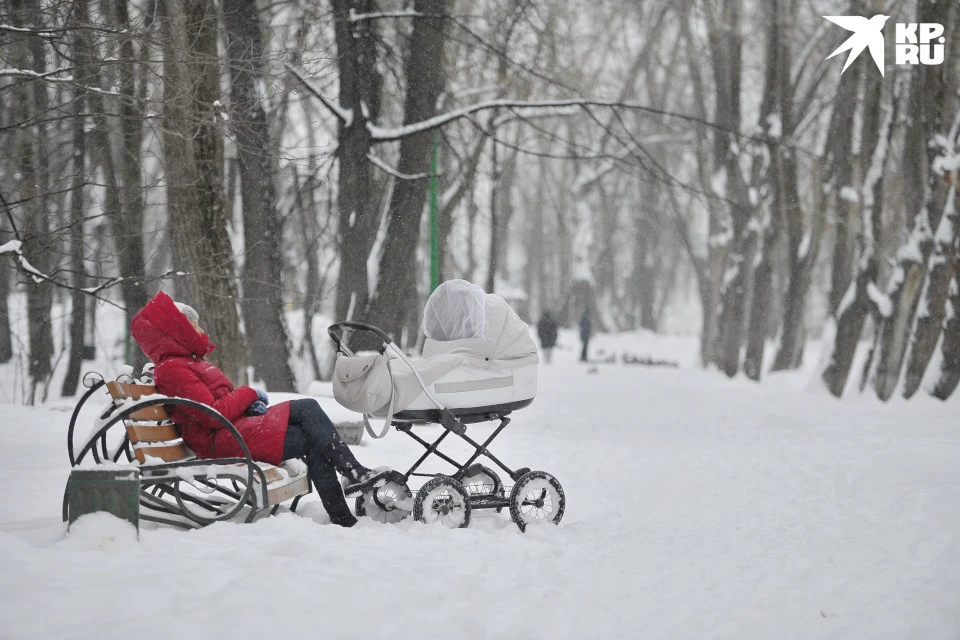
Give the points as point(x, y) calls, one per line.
point(176, 487)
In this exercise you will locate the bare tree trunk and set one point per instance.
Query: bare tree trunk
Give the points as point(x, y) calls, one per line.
point(839, 171)
point(453, 192)
point(950, 367)
point(708, 271)
point(84, 61)
point(775, 104)
point(803, 236)
point(128, 223)
point(930, 321)
point(193, 148)
point(932, 97)
point(857, 303)
point(263, 302)
point(726, 49)
point(426, 77)
point(360, 93)
point(941, 272)
point(494, 251)
point(803, 245)
point(643, 280)
point(308, 210)
point(564, 266)
point(501, 215)
point(6, 341)
point(30, 99)
point(534, 238)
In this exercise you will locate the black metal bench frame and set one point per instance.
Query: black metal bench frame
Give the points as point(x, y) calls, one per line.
point(230, 484)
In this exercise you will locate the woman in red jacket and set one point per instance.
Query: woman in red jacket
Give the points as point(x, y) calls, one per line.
point(169, 333)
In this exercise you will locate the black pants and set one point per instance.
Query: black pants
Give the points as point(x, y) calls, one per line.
point(311, 435)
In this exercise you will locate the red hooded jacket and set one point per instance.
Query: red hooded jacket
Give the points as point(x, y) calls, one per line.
point(177, 351)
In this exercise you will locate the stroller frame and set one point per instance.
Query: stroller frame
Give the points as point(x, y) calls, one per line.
point(452, 424)
point(478, 486)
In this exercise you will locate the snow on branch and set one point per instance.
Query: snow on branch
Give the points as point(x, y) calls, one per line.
point(541, 108)
point(55, 32)
point(563, 107)
point(344, 115)
point(29, 73)
point(15, 247)
point(383, 166)
point(48, 77)
point(358, 17)
point(538, 108)
point(40, 33)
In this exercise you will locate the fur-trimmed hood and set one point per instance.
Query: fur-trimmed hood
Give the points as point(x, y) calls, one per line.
point(162, 331)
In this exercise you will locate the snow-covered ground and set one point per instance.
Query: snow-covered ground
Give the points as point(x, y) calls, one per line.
point(697, 507)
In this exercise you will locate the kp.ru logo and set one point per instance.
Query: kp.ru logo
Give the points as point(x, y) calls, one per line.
point(921, 43)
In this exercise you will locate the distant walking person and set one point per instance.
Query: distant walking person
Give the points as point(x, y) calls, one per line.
point(547, 332)
point(585, 333)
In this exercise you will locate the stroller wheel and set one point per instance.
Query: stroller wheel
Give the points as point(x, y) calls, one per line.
point(443, 501)
point(537, 497)
point(390, 503)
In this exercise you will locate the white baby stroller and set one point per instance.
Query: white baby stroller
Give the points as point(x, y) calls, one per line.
point(479, 364)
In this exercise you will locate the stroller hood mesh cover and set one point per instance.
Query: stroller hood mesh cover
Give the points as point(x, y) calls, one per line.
point(455, 311)
point(467, 331)
point(496, 332)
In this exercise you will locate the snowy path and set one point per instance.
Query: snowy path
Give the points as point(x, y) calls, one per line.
point(697, 507)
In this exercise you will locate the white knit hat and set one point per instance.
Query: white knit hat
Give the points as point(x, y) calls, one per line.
point(188, 311)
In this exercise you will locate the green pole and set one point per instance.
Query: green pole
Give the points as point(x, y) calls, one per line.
point(434, 214)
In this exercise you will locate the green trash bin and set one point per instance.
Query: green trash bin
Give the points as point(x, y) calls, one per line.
point(115, 491)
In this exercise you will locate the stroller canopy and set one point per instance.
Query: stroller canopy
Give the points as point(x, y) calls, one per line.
point(460, 318)
point(455, 311)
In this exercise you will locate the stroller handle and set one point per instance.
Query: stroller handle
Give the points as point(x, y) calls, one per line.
point(333, 329)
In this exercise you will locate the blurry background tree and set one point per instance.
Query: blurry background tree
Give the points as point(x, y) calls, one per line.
point(270, 162)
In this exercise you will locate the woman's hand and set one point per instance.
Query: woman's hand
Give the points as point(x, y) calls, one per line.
point(258, 408)
point(262, 396)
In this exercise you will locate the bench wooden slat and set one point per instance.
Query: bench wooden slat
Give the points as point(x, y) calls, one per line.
point(289, 491)
point(272, 474)
point(155, 413)
point(120, 390)
point(125, 390)
point(165, 451)
point(152, 433)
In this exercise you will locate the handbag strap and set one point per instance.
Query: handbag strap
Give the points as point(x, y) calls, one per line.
point(389, 419)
